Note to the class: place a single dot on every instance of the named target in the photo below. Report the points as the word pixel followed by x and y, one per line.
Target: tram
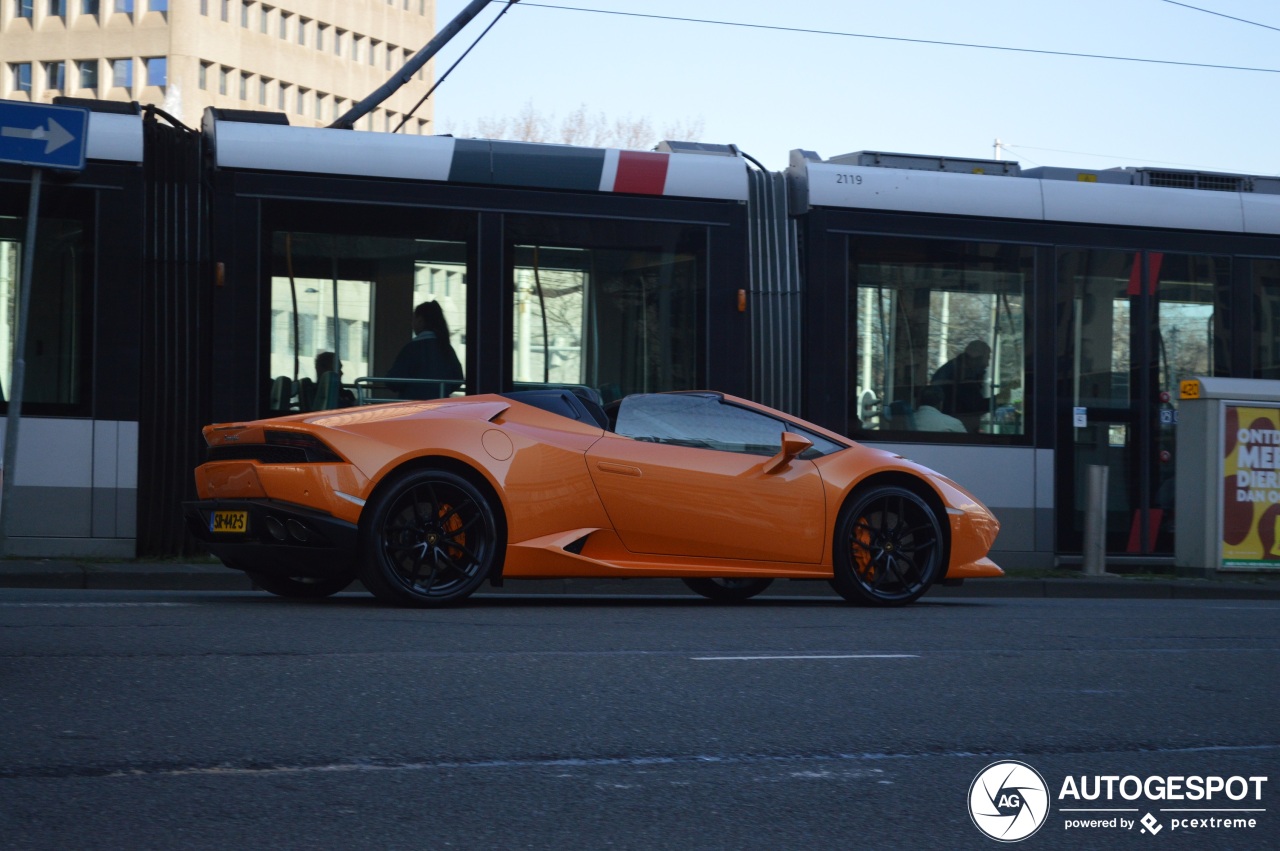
pixel 196 276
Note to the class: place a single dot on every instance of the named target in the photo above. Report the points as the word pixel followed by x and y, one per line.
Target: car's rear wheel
pixel 301 587
pixel 889 547
pixel 431 540
pixel 728 590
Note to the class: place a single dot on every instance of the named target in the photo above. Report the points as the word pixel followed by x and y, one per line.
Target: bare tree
pixel 579 127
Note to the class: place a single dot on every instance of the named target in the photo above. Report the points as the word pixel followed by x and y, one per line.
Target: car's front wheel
pixel 431 540
pixel 728 590
pixel 301 587
pixel 889 547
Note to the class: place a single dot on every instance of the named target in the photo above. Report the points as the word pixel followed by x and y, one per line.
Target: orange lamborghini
pixel 425 501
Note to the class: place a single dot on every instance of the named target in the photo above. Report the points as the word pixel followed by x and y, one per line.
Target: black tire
pixel 728 590
pixel 301 587
pixel 431 540
pixel 889 547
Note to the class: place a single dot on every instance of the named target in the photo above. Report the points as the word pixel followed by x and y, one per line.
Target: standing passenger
pixel 429 355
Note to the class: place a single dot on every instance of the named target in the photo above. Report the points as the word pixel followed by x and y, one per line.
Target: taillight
pixel 314 448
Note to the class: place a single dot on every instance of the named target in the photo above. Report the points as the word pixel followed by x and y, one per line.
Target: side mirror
pixel 792 445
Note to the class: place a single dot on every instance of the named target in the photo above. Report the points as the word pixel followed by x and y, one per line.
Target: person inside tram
pixel 429 355
pixel 928 415
pixel 963 383
pixel 329 392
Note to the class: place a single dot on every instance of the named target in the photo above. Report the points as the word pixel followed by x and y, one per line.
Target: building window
pixel 244 16
pixel 88 7
pixel 282 97
pixel 355 47
pixel 262 19
pixel 87 72
pixel 122 73
pixel 55 75
pixel 57 8
pixel 157 70
pixel 204 7
pixel 302 30
pixel 321 29
pixel 226 10
pixel 24 8
pixel 21 76
pixel 319 105
pixel 224 74
pixel 125 6
pixel 301 106
pixel 204 74
pixel 338 36
pixel 158 5
pixel 263 82
pixel 284 25
pixel 373 49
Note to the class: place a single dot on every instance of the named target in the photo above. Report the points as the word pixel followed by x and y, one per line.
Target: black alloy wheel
pixel 889 547
pixel 301 587
pixel 432 540
pixel 728 590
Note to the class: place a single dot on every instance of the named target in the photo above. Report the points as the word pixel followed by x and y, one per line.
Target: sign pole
pixel 18 379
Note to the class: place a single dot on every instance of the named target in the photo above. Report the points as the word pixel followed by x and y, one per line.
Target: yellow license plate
pixel 229 521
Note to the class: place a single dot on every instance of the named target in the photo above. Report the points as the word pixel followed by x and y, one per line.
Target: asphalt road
pixel 156 720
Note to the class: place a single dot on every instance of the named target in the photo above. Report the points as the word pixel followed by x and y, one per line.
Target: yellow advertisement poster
pixel 1251 488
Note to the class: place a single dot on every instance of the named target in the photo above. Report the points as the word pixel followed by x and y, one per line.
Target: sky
pixel 839 90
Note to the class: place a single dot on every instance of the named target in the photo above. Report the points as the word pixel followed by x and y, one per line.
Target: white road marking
pixel 92 605
pixel 772 658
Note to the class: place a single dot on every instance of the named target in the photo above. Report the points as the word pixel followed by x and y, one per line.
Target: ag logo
pixel 1008 800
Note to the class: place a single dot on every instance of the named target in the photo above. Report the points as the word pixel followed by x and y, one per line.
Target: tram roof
pixel 1138 197
pixel 319 150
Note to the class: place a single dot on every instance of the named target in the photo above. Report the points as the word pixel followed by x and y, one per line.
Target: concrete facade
pixel 311 59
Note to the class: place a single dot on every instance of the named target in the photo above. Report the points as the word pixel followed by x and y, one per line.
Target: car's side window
pixel 700 420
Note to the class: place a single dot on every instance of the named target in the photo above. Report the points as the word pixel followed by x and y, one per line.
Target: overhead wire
pixel 905 40
pixel 1221 15
pixel 405 119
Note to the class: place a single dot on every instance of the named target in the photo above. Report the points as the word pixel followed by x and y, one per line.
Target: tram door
pixel 1130 325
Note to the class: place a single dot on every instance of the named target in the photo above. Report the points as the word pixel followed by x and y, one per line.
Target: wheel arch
pixel 915 484
pixel 457 467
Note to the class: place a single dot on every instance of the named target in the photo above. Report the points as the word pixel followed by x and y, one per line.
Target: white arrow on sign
pixel 54 137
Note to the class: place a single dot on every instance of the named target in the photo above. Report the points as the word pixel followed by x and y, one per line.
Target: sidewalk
pixel 212 576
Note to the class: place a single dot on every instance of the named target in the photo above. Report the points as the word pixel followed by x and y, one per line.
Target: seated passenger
pixel 429 355
pixel 928 417
pixel 329 392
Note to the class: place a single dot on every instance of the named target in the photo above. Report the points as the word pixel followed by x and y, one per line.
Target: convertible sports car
pixel 424 501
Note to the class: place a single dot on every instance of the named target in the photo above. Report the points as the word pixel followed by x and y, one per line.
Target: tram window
pixel 54 373
pixel 615 320
pixel 1265 285
pixel 355 296
pixel 939 335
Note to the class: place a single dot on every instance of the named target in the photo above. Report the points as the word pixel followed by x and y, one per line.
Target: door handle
pixel 620 469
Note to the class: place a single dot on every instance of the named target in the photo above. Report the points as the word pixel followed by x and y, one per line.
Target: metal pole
pixel 1095 521
pixel 17 380
pixel 405 74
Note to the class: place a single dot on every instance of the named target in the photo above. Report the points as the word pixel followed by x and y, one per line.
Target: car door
pixel 687 475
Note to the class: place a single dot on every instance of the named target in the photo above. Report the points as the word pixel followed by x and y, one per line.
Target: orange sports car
pixel 425 501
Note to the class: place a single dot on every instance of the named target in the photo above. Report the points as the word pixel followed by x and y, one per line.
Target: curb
pixel 147 576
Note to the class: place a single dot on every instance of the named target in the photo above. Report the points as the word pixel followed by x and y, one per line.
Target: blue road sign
pixel 37 134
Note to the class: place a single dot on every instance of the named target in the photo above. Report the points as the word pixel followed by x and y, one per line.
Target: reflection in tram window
pixel 939 314
pixel 617 321
pixel 54 373
pixel 354 296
